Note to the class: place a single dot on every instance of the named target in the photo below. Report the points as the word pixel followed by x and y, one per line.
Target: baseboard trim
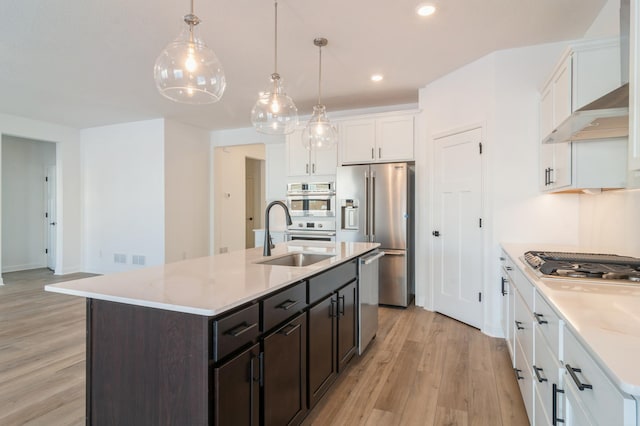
pixel 17 268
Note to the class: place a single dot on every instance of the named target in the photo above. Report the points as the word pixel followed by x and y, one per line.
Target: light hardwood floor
pixel 422 369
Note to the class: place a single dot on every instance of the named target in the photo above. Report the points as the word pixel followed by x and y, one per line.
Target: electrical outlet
pixel 138 259
pixel 119 258
pixel 224 249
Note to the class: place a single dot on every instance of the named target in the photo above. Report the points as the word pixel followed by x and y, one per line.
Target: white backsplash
pixel 610 222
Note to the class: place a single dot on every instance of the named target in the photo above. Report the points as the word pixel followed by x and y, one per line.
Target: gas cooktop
pixel 584 265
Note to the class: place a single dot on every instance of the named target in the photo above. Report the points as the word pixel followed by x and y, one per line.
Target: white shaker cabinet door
pixel 357 140
pixel 395 138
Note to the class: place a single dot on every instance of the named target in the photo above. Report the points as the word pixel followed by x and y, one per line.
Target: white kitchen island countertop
pixel 605 316
pixel 210 285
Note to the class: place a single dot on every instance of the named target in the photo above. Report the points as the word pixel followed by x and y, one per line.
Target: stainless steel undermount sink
pixel 297 259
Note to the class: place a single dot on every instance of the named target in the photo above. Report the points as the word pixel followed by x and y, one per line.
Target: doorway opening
pixel 254 198
pixel 29 225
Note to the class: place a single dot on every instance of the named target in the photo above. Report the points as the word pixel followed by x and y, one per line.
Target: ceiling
pixel 85 63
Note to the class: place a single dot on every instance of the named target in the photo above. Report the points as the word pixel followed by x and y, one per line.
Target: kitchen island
pixel 220 339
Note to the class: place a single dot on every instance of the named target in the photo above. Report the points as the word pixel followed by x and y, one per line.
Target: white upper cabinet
pixel 377 139
pixel 304 162
pixel 585 72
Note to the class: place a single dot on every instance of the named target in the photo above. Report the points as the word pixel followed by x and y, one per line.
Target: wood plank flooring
pixel 422 369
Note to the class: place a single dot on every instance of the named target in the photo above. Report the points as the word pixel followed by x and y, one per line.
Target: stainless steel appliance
pixel 376 204
pixel 592 266
pixel 314 199
pixel 312 230
pixel 368 299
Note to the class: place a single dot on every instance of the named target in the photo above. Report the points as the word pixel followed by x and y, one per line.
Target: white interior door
pixel 50 217
pixel 457 236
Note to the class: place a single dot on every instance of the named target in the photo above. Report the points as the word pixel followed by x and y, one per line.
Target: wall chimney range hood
pixel 608 116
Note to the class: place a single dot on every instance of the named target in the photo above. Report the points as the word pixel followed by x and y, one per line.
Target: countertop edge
pixel 302 273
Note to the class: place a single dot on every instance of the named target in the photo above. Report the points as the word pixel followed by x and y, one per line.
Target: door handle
pixel 52 224
pixel 436 233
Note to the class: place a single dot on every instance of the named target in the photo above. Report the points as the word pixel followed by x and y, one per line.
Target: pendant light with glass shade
pixel 275 113
pixel 187 70
pixel 319 133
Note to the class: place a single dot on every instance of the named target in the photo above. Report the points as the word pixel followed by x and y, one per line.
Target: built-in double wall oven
pixel 311 199
pixel 312 208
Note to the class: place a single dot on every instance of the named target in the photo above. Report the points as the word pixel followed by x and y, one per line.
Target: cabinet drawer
pixel 279 307
pixel 549 324
pixel 546 373
pixel 235 330
pixel 524 286
pixel 324 284
pixel 525 381
pixel 601 398
pixel 523 328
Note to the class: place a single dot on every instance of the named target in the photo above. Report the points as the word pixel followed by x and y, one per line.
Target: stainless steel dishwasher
pixel 368 305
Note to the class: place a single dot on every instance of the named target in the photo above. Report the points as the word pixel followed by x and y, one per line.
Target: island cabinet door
pixel 236 391
pixel 322 347
pixel 347 324
pixel 285 374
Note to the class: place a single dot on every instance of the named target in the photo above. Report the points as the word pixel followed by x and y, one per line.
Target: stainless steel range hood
pixel 608 116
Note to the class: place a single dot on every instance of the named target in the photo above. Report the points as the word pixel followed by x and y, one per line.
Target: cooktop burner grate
pixel 584 265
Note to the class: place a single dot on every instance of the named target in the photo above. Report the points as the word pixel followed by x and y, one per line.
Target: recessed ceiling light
pixel 425 9
pixel 377 77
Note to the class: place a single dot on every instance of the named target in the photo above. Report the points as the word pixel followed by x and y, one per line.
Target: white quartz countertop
pixel 604 316
pixel 210 285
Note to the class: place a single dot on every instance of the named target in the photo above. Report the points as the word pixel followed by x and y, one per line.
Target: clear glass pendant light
pixel 187 70
pixel 319 132
pixel 275 113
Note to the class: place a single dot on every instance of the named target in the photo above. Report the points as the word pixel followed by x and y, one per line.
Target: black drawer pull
pixel 332 308
pixel 508 268
pixel 537 370
pixel 519 325
pixel 287 304
pixel 538 318
pixel 504 291
pixel 241 329
pixel 572 372
pixel 518 371
pixel 291 329
pixel 554 404
pixel 341 306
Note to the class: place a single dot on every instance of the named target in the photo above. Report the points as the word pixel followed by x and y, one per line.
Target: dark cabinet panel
pixel 280 306
pixel 146 366
pixel 233 331
pixel 322 347
pixel 347 324
pixel 331 280
pixel 237 390
pixel 285 374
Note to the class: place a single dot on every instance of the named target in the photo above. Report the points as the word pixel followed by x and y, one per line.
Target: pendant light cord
pixel 319 73
pixel 275 52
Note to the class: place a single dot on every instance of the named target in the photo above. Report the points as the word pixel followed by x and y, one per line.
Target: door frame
pixel 486 224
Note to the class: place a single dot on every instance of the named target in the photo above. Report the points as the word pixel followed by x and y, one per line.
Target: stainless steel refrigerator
pixel 376 204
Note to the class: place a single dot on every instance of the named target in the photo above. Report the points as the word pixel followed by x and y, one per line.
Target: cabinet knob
pixel 436 233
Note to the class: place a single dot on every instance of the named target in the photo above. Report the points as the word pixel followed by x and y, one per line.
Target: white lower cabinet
pixel 605 404
pixel 525 380
pixel 560 382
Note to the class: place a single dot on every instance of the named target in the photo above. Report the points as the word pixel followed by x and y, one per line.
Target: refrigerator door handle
pixel 366 209
pixel 373 206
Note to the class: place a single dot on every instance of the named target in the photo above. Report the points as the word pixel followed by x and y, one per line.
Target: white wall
pixel 607 23
pixel 500 92
pixel 24 167
pixel 186 192
pixel 69 230
pixel 229 201
pixel 123 194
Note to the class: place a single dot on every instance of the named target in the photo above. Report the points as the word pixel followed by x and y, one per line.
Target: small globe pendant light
pixel 187 70
pixel 319 133
pixel 275 113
